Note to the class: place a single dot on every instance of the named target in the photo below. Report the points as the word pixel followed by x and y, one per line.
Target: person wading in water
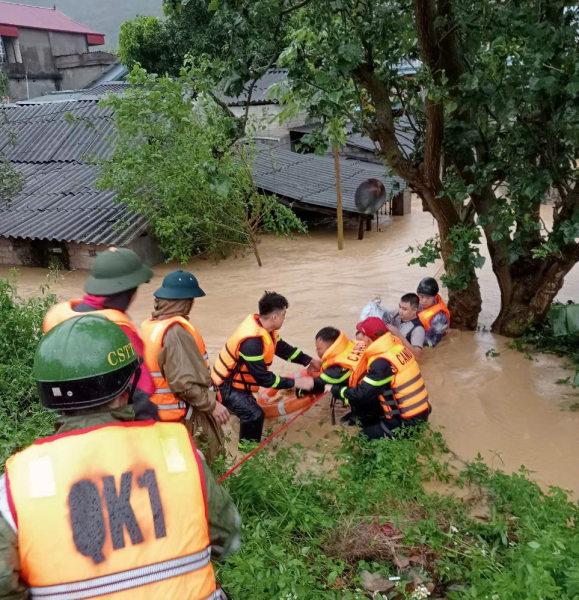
pixel 432 312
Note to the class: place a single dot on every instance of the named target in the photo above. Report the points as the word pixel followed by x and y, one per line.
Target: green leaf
pixel 450 105
pixel 573 87
pixel 213 5
pixel 534 545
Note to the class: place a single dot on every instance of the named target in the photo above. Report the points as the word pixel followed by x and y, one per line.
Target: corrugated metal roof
pixel 59 201
pixel 405 135
pixel 46 132
pixel 260 92
pixel 310 179
pixel 115 72
pixel 115 87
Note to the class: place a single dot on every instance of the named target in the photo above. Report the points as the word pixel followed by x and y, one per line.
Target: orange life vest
pixel 407 396
pixel 65 310
pixel 229 367
pixel 429 313
pixel 343 352
pixel 116 511
pixel 153 333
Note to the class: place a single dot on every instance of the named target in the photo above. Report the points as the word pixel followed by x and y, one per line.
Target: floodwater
pixel 508 408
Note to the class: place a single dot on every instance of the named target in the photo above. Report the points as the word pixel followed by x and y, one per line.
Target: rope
pixel 233 469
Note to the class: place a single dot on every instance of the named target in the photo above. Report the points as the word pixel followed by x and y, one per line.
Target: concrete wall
pixel 36 87
pixel 263 122
pixel 67 255
pixel 37 55
pixel 77 78
pixel 67 43
pixel 39 49
pixel 78 69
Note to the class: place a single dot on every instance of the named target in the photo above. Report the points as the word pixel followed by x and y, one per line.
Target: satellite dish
pixel 370 196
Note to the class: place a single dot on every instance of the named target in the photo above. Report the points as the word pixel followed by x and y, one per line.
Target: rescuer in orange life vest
pixel 386 391
pixel 242 367
pixel 108 507
pixel 177 358
pixel 340 357
pixel 112 284
pixel 432 312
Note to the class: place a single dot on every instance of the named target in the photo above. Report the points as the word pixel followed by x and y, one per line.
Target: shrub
pixel 23 419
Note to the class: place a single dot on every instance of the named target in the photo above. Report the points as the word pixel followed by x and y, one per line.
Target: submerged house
pixel 59 217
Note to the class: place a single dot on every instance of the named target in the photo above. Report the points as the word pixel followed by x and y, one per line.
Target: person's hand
pixel 304 383
pixel 394 330
pixel 328 388
pixel 377 299
pixel 220 414
pixel 315 366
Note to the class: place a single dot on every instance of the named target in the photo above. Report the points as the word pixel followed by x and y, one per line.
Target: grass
pixel 334 535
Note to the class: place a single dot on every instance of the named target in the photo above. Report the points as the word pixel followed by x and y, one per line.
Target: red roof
pixel 37 17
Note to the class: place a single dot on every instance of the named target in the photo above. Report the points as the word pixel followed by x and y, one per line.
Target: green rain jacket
pixel 224 520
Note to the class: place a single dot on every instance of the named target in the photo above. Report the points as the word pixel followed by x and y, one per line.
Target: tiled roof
pixel 37 17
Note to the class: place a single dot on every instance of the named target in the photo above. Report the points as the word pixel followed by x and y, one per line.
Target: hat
pixel 116 270
pixel 179 285
pixel 373 327
pixel 84 362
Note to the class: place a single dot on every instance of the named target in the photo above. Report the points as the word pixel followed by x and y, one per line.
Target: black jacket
pixel 251 355
pixel 364 398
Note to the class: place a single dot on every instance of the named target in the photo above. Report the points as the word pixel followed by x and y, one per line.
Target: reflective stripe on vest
pixel 65 310
pixel 228 366
pixel 133 578
pixel 124 504
pixel 153 333
pixel 407 395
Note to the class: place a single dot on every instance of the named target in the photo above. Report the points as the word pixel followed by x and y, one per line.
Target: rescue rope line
pixel 276 433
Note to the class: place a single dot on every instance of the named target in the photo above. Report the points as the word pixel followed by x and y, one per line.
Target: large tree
pixel 493 106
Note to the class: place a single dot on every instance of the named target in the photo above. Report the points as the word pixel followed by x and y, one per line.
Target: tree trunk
pixel 465 307
pixel 254 241
pixel 527 300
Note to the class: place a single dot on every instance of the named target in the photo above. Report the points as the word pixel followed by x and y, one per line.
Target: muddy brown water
pixel 508 408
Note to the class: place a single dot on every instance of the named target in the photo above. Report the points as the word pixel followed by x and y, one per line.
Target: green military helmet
pixel 116 270
pixel 179 285
pixel 84 362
